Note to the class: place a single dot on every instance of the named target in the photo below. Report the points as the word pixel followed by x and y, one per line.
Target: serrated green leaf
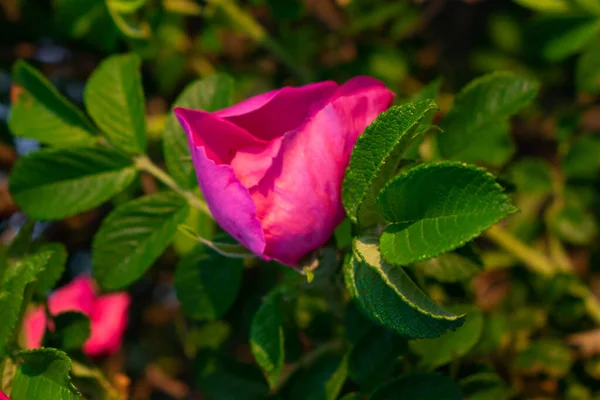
pixel 207 283
pixel 209 94
pixel 373 358
pixel 114 98
pixel 388 296
pixel 322 381
pixel 43 374
pixel 587 74
pixel 71 330
pixel 479 117
pixel 57 122
pixel 419 386
pixel 54 267
pixel 53 184
pixel 133 236
pixel 16 279
pixel 436 352
pixel 451 267
pixel 438 207
pixel 266 337
pixel 379 149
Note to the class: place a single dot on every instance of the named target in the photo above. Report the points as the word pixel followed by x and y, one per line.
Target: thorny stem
pixel 246 23
pixel 145 164
pixel 305 361
pixel 542 265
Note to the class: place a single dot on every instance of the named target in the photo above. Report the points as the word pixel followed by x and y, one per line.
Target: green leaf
pixel 126 6
pixel 87 21
pixel 551 357
pixel 564 35
pixel 373 358
pixel 114 98
pixel 266 337
pixel 378 152
pixel 133 236
pixel 199 222
pixel 16 279
pixel 232 380
pixel 582 161
pixel 54 267
pixel 587 74
pixel 207 284
pixel 546 6
pixel 71 330
pixel 57 122
pixel 388 296
pixel 485 386
pixel 419 386
pixel 322 381
pixel 479 117
pixel 53 184
pixel 452 267
pixel 532 175
pixel 209 94
pixel 436 352
pixel 438 207
pixel 573 223
pixel 128 25
pixel 43 374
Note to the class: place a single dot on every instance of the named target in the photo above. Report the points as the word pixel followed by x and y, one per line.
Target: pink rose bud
pixel 107 313
pixel 271 167
pixel 3 396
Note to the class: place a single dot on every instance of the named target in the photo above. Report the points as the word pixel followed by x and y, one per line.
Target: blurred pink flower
pixel 107 313
pixel 3 396
pixel 271 167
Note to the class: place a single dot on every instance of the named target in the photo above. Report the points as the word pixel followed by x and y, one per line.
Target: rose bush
pixel 107 313
pixel 271 167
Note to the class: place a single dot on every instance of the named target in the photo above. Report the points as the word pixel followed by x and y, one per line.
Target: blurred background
pixel 409 44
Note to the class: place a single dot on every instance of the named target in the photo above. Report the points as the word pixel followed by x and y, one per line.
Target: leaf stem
pixel 145 164
pixel 542 265
pixel 535 260
pixel 305 361
pixel 243 21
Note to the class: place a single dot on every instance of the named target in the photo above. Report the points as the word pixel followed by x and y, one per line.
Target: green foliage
pixel 378 152
pixel 43 374
pixel 419 386
pixel 323 381
pixel 57 122
pixel 434 277
pixel 55 267
pixel 133 236
pixel 14 285
pixel 436 208
pixel 476 128
pixel 374 356
pixel 266 337
pixel 210 94
pixel 115 100
pixel 69 180
pixel 388 296
pixel 436 352
pixel 207 284
pixel 71 330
